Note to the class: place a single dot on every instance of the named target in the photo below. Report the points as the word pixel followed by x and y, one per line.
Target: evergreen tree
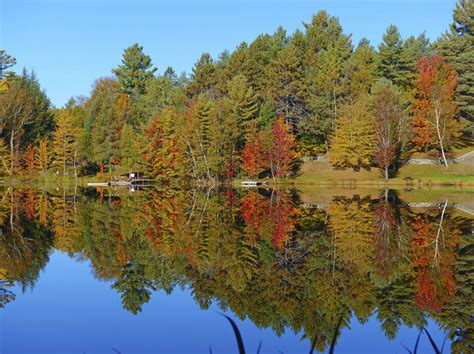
pixel 360 70
pixel 389 60
pixel 134 72
pixel 102 124
pixel 242 101
pixel 457 47
pixel 412 50
pixel 285 77
pixel 325 50
pixel 203 77
pixel 6 61
pixel 42 120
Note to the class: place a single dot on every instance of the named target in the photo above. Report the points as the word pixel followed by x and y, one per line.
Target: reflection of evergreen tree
pixel 134 287
pixel 396 305
pixel 6 295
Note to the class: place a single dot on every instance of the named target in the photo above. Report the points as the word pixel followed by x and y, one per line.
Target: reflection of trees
pixel 258 254
pixel 24 243
pixel 434 253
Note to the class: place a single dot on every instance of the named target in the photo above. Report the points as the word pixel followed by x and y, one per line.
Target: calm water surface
pixel 113 271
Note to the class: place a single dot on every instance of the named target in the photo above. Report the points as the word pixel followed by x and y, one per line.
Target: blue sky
pixel 70 43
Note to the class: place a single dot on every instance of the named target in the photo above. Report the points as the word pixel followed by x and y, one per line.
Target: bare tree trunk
pixel 12 148
pixel 75 158
pixel 386 171
pixel 440 231
pixel 438 131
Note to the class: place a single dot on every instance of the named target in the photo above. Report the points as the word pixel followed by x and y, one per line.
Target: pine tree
pixel 390 63
pixel 412 50
pixel 203 77
pixel 6 61
pixel 243 103
pixel 457 47
pixel 360 69
pixel 353 140
pixel 285 76
pixel 203 114
pixel 102 130
pixel 325 51
pixel 135 71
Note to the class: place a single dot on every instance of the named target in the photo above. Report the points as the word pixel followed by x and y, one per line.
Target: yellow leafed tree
pixel 352 144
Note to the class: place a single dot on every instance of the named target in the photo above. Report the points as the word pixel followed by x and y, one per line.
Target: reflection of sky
pixel 71 312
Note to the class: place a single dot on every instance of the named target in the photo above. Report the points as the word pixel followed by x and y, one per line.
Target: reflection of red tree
pixel 281 212
pixel 433 259
pixel 29 205
pixel 161 213
pixel 269 217
pixel 254 207
pixel 230 198
pixel 29 161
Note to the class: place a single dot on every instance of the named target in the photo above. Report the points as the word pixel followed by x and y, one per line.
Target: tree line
pixel 254 111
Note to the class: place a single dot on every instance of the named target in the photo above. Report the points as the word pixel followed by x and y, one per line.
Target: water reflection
pixel 261 253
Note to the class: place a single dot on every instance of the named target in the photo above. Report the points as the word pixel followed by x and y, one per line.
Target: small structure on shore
pixel 135 179
pixel 252 183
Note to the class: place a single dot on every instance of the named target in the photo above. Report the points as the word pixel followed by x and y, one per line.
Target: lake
pixel 298 271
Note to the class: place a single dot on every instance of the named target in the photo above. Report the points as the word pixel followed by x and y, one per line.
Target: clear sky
pixel 70 43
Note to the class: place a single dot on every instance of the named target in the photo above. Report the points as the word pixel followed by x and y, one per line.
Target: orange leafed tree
pixel 29 162
pixel 254 157
pixel 434 107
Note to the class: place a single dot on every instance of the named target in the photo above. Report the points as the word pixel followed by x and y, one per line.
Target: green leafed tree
pixel 6 61
pixel 389 60
pixel 285 84
pixel 203 77
pixel 457 48
pixel 134 72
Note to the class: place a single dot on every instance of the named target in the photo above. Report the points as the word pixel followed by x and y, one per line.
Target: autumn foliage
pixel 434 106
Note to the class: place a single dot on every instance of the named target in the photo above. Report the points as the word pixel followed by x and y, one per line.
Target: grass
pixel 332 346
pixel 321 172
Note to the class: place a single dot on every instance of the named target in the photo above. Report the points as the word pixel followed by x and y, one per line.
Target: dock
pixel 252 183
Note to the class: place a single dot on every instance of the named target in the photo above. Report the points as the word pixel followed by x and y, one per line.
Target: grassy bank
pixel 322 173
pixel 46 181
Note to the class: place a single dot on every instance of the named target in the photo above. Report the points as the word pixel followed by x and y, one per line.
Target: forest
pixel 261 253
pixel 255 112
